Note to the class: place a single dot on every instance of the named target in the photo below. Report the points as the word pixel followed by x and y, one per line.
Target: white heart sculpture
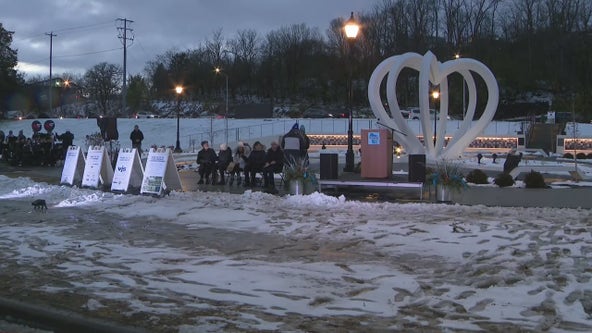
pixel 434 72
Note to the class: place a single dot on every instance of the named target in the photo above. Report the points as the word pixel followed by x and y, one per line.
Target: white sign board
pixel 73 166
pixel 161 173
pixel 98 168
pixel 128 172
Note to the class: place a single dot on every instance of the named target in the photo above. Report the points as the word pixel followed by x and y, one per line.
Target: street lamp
pixel 179 91
pixel 351 29
pixel 435 96
pixel 219 71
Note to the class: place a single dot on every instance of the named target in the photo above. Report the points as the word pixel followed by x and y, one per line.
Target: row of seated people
pixel 213 167
pixel 39 150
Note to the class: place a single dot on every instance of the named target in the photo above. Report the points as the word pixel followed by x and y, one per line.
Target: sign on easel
pixel 73 166
pixel 161 173
pixel 128 172
pixel 98 168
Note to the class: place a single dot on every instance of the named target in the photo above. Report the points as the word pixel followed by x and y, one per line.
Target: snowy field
pixel 210 262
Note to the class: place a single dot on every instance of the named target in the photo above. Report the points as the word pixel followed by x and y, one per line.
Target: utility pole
pixel 50 93
pixel 123 36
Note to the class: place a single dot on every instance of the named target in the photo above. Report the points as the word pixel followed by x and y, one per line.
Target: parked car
pixel 414 114
pixel 140 115
pixel 316 113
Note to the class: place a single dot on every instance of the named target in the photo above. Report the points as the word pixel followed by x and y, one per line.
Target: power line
pixel 84 26
pixel 63 30
pixel 87 53
pixel 74 55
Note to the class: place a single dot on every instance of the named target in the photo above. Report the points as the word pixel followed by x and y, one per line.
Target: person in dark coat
pixel 67 139
pixel 2 137
pixel 294 144
pixel 206 158
pixel 224 159
pixel 274 163
pixel 255 163
pixel 137 137
pixel 512 162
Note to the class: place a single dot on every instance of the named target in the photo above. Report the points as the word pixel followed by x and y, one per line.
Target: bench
pixel 338 183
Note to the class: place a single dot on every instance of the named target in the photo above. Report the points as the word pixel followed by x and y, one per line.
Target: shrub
pixel 589 156
pixel 504 180
pixel 534 180
pixel 477 177
pixel 568 155
pixel 581 156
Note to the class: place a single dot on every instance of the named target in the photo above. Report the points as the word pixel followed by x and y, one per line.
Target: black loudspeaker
pixel 108 128
pixel 329 168
pixel 417 168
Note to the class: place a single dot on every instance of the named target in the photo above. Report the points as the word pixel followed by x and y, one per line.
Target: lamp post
pixel 179 91
pixel 351 29
pixel 435 96
pixel 219 71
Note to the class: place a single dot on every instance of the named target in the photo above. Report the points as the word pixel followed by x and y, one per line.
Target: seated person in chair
pixel 206 158
pixel 240 161
pixel 224 159
pixel 274 163
pixel 255 163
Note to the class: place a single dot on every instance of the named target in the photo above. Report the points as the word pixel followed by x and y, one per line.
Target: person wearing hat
pixel 206 158
pixel 224 159
pixel 240 157
pixel 294 144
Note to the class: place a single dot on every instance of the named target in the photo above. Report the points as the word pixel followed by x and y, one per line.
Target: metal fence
pixel 274 128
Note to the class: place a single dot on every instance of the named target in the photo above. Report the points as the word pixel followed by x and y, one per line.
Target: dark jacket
pixel 256 159
pixel 277 156
pixel 207 156
pixel 224 158
pixel 66 138
pixel 301 148
pixel 137 136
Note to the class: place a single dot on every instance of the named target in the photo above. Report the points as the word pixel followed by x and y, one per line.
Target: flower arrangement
pixel 448 174
pixel 295 168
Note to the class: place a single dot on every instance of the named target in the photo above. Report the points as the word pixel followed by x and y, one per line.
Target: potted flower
pixel 296 174
pixel 447 177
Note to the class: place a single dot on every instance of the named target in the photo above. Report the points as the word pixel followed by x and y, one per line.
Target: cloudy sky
pixel 87 29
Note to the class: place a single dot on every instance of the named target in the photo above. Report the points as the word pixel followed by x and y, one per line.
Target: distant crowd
pixel 239 166
pixel 214 168
pixel 41 149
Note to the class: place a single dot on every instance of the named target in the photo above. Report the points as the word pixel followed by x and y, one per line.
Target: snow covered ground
pixel 208 262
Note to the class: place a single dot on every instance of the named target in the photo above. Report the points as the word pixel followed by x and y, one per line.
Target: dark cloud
pixel 87 29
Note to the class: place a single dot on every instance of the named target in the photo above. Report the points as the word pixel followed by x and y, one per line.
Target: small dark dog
pixel 39 204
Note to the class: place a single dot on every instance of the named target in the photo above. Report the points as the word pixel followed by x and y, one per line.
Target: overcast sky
pixel 87 29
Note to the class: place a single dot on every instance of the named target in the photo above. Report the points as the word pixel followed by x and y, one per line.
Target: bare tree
pixel 455 22
pixel 421 17
pixel 246 46
pixel 102 82
pixel 215 48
